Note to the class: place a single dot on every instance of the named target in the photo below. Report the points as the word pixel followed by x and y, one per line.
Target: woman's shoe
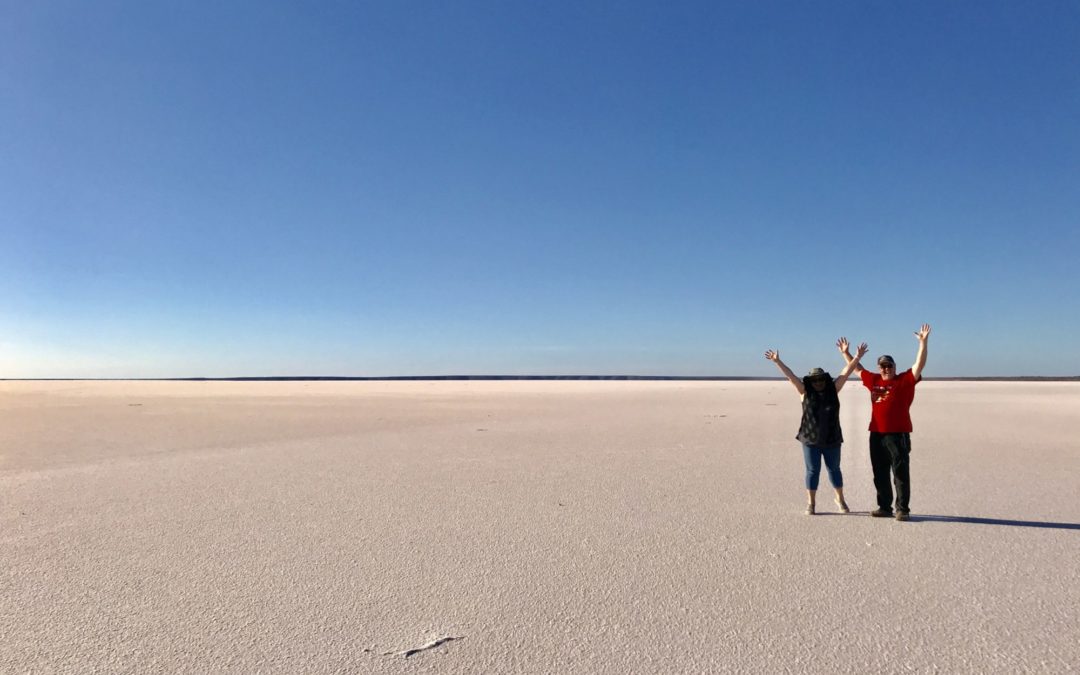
pixel 809 509
pixel 842 505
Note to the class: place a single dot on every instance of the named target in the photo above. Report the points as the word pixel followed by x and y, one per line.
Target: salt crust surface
pixel 551 527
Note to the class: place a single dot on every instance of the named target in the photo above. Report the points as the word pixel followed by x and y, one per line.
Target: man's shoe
pixel 881 513
pixel 903 515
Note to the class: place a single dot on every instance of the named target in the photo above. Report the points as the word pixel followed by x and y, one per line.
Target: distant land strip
pixel 409 378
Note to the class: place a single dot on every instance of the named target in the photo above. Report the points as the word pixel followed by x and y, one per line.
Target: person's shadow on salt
pixel 970 520
pixel 992 521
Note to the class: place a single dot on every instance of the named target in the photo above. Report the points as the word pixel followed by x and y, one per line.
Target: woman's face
pixel 818 383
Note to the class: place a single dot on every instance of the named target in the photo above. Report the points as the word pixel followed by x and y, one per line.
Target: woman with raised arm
pixel 819 431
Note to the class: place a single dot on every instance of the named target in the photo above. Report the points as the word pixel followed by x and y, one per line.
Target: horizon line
pixel 377 378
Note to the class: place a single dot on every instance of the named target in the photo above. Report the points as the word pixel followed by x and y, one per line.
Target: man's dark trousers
pixel 889 452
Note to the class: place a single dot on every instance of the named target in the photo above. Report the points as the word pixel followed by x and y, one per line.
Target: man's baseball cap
pixel 882 360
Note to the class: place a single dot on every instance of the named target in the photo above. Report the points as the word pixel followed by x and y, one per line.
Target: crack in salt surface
pixel 437 642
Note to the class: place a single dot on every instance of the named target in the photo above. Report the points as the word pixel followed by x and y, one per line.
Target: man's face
pixel 888 370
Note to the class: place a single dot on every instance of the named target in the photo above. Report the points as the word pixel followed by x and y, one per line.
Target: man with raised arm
pixel 891 396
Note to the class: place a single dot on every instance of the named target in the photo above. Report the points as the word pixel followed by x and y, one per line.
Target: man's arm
pixel 920 358
pixel 844 347
pixel 851 365
pixel 774 356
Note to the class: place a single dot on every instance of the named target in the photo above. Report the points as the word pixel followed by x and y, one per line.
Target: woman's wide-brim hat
pixel 817 372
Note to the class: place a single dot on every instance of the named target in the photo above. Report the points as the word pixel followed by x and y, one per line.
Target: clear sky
pixel 431 188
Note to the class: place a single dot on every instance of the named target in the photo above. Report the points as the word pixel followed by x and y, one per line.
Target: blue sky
pixel 409 188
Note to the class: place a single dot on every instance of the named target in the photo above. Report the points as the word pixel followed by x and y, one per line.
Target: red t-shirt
pixel 890 401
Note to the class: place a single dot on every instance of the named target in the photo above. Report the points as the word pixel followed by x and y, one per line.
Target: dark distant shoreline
pixel 421 378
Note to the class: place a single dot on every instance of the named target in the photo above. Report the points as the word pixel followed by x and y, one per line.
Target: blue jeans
pixel 813 456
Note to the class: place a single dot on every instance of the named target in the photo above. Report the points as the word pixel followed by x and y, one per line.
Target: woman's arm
pixel 852 365
pixel 842 345
pixel 774 356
